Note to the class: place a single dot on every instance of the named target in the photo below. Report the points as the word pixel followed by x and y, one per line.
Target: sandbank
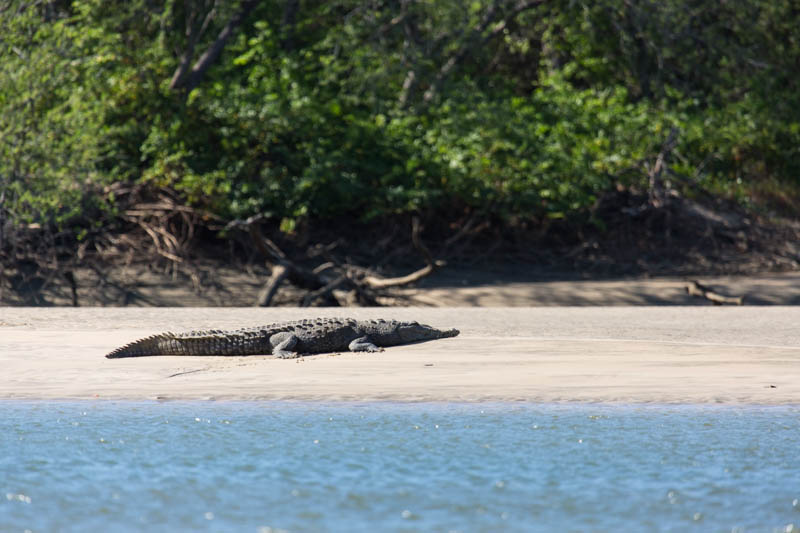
pixel 676 354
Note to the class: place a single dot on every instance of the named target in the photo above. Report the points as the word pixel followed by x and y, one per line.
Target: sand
pixel 554 354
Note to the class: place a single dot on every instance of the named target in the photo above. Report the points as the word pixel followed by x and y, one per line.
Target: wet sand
pixel 553 354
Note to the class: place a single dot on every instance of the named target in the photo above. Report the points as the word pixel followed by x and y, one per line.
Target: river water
pixel 283 466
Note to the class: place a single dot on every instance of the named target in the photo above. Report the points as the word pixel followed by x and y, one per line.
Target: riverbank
pixel 220 285
pixel 556 354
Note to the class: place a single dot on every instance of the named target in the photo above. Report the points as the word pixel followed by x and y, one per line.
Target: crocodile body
pixel 287 339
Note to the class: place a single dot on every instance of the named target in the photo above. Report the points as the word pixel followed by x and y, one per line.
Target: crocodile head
pixel 392 332
pixel 414 331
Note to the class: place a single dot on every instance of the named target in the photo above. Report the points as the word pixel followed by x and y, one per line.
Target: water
pixel 266 467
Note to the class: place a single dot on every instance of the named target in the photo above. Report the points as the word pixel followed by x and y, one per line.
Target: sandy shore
pixel 602 354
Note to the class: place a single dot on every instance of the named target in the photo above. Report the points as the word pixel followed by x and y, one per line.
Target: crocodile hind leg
pixel 282 344
pixel 364 344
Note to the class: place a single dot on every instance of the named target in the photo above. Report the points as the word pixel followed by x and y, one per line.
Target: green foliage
pixel 350 107
pixel 46 116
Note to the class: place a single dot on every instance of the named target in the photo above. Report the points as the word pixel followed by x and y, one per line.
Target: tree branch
pixel 193 35
pixel 374 282
pixel 189 80
pixel 476 37
pixel 695 288
pixel 288 22
pixel 279 273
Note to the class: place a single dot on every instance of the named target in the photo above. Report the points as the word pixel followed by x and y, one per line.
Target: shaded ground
pixel 485 289
pixel 633 249
pixel 500 287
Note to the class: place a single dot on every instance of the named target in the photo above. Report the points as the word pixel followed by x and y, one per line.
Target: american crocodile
pixel 287 340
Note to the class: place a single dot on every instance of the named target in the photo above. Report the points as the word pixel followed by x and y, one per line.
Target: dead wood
pixel 333 282
pixel 277 259
pixel 324 292
pixel 282 266
pixel 695 288
pixel 279 273
pixel 375 282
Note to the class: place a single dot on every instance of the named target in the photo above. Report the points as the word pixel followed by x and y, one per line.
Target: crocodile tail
pixel 152 345
pixel 213 342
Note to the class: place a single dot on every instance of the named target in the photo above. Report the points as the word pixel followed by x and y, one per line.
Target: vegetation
pixel 310 110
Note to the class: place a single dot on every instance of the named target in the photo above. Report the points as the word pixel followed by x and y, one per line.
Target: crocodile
pixel 287 340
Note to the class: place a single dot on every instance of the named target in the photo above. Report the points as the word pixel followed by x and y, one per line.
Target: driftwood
pixel 279 273
pixel 375 282
pixel 332 282
pixel 695 288
pixel 281 266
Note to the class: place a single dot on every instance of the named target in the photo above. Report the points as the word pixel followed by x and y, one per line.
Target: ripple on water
pixel 75 466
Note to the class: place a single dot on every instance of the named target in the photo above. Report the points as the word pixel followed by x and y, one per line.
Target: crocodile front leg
pixel 364 344
pixel 282 344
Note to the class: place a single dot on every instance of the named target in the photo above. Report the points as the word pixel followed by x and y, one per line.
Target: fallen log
pixel 695 288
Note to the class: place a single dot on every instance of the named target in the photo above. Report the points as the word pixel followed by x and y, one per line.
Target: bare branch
pixel 477 37
pixel 192 36
pixel 288 24
pixel 279 273
pixel 408 84
pixel 654 174
pixel 190 80
pixel 326 291
pixel 374 282
pixel 695 288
